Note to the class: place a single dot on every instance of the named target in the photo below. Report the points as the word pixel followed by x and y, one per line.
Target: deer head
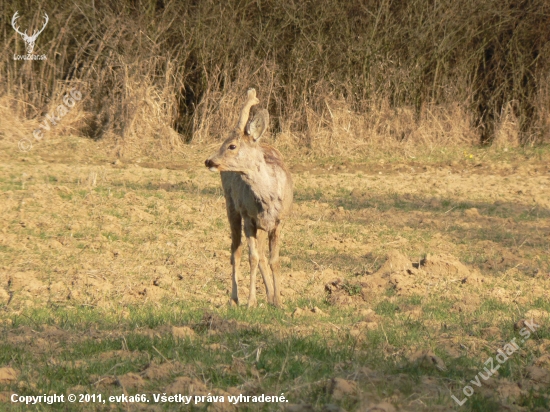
pixel 240 149
pixel 29 40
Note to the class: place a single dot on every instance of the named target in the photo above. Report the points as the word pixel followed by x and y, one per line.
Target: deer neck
pixel 260 177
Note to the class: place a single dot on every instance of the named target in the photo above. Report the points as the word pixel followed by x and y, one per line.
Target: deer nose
pixel 208 163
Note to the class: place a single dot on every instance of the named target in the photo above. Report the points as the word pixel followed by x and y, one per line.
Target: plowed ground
pixel 401 278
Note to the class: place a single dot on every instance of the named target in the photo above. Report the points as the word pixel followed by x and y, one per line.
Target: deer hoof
pixel 277 302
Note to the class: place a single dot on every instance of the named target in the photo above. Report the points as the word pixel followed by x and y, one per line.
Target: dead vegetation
pixel 337 77
pixel 411 255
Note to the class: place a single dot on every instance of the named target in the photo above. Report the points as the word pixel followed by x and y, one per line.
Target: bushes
pixel 327 70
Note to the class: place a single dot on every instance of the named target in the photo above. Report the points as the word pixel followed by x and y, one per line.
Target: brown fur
pixel 258 192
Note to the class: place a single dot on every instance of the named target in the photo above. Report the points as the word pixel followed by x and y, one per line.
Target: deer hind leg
pixel 275 264
pixel 254 257
pixel 261 236
pixel 236 251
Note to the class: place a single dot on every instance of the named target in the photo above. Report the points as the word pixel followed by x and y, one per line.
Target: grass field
pixel 401 277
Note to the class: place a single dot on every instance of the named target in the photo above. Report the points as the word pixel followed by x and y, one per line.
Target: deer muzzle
pixel 210 164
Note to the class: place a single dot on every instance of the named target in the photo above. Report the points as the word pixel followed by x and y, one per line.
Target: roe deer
pixel 258 190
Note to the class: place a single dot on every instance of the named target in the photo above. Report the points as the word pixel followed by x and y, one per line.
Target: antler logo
pixel 30 40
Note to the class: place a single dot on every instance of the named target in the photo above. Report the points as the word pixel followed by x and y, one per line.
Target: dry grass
pixel 114 278
pixel 335 77
pixel 411 254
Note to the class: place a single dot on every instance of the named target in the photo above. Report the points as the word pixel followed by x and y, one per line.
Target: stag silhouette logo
pixel 29 40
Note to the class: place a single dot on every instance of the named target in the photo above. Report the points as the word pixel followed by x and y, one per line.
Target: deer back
pixel 255 180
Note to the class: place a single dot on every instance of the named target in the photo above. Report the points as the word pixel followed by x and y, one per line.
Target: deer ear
pixel 257 124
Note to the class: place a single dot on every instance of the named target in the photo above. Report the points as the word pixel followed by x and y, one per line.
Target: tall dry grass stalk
pixel 334 75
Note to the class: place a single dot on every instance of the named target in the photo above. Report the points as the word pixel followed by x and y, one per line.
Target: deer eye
pixel 232 147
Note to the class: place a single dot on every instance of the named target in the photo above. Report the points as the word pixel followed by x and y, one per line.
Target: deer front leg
pixel 250 231
pixel 236 251
pixel 261 236
pixel 275 264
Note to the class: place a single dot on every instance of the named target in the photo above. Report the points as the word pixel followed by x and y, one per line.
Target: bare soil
pixel 78 227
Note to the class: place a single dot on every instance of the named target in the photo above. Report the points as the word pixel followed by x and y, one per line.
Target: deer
pixel 258 192
pixel 29 40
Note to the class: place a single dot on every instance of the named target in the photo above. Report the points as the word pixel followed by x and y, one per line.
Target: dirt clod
pixel 472 212
pixel 329 407
pixel 395 262
pixel 297 313
pixel 427 359
pixel 213 322
pixel 156 372
pixel 382 407
pixel 340 388
pixel 8 375
pixel 444 265
pixel 4 296
pixel 537 315
pixel 185 384
pixel 131 381
pixel 5 397
pixel 538 374
pixel 182 332
pixel 508 391
pixel 299 408
pixel 318 311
